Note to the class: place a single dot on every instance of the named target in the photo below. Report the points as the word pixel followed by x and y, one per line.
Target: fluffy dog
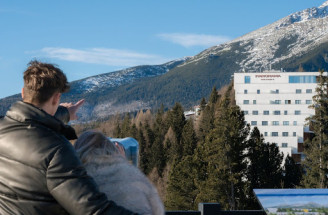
pixel 122 182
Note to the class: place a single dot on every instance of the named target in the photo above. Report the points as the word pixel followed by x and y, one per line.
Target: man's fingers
pixel 79 103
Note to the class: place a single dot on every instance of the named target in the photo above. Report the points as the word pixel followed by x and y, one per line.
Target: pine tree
pixel 188 139
pixel 181 191
pixel 263 168
pixel 143 151
pixel 224 152
pixel 176 120
pixel 202 104
pixel 316 149
pixel 159 154
pixel 205 123
pixel 126 125
pixel 213 96
pixel 292 173
pixel 171 146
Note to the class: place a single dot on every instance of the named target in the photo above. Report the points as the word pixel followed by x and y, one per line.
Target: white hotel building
pixel 278 104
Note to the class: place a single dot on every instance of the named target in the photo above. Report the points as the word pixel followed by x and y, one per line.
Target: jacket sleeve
pixel 73 189
pixel 62 114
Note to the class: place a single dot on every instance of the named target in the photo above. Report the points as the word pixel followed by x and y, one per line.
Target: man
pixel 40 172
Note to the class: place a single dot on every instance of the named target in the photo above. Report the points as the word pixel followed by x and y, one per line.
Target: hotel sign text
pixel 267 77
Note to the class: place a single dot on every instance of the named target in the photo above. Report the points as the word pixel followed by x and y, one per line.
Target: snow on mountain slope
pixel 115 79
pixel 288 37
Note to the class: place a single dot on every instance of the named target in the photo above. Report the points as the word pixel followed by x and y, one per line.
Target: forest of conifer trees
pixel 216 157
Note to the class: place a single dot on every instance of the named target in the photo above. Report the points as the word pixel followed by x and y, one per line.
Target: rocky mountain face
pixel 298 42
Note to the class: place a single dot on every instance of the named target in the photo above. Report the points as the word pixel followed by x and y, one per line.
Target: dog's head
pixel 91 144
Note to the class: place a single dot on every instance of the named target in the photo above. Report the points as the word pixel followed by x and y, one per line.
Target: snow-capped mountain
pixel 289 37
pixel 298 42
pixel 125 76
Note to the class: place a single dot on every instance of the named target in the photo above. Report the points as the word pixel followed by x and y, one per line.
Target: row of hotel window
pixel 265 123
pixel 287 102
pixel 292 79
pixel 276 112
pixel 297 91
pixel 276 134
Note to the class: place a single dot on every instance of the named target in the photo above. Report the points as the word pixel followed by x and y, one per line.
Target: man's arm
pixel 74 190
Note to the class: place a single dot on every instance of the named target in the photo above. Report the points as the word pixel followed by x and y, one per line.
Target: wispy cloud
pixel 112 57
pixel 189 40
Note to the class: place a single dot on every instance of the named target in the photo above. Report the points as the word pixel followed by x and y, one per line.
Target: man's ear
pixel 56 98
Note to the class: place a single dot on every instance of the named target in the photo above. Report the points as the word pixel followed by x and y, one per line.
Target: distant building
pixel 278 104
pixel 192 113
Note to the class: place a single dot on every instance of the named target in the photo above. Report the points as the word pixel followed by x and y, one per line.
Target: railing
pixel 214 209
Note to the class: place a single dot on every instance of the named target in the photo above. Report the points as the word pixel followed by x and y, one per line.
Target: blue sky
pixel 86 38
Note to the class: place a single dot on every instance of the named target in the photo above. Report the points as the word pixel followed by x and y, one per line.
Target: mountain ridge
pixel 297 42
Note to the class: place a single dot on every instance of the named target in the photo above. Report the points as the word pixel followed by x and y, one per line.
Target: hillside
pixel 296 42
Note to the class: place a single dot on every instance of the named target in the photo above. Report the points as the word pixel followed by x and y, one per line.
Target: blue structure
pixel 131 147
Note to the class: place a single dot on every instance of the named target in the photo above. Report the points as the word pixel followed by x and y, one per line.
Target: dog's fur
pixel 122 182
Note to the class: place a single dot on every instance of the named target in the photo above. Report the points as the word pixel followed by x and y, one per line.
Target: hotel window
pixel 274 134
pixel 294 134
pixel 265 134
pixel 245 91
pixel 297 112
pixel 266 112
pixel 302 79
pixel 255 112
pixel 254 102
pixel 308 90
pixel 253 123
pixel 258 91
pixel 264 122
pixel 298 91
pixel 284 145
pixel 246 102
pixel 285 123
pixel 285 112
pixel 245 112
pixel 247 79
pixel 276 112
pixel 275 122
pixel 285 134
pixel 288 102
pixel 308 102
pixel 277 101
pixel 297 102
pixel 294 122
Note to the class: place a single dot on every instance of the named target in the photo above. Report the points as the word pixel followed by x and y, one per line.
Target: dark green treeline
pixel 217 157
pixel 213 158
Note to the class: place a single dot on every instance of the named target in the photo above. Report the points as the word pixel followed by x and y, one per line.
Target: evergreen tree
pixel 224 152
pixel 181 191
pixel 126 125
pixel 206 122
pixel 292 173
pixel 213 96
pixel 159 155
pixel 170 145
pixel 188 139
pixel 176 120
pixel 150 138
pixel 202 104
pixel 143 151
pixel 316 149
pixel 264 167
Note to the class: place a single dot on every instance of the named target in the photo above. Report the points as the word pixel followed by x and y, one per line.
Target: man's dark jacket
pixel 40 172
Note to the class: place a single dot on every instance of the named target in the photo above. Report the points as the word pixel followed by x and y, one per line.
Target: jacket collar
pixel 27 113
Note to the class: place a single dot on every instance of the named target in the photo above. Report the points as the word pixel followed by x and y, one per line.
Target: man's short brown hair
pixel 43 80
